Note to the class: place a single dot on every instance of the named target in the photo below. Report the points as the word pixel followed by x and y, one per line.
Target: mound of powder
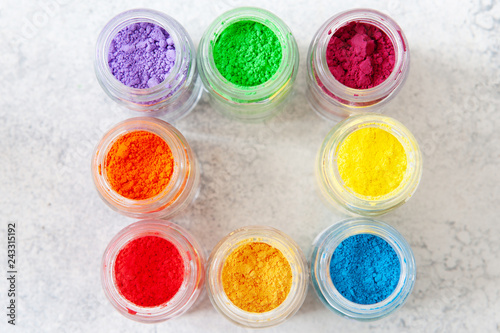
pixel 141 55
pixel 247 53
pixel 372 161
pixel 139 165
pixel 360 55
pixel 365 269
pixel 149 271
pixel 257 277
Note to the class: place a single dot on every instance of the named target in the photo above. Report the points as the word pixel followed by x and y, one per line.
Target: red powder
pixel 360 55
pixel 149 271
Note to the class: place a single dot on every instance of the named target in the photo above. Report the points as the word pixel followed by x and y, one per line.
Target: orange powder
pixel 139 165
pixel 256 277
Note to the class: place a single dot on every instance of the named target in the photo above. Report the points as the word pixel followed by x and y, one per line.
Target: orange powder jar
pixel 144 168
pixel 257 277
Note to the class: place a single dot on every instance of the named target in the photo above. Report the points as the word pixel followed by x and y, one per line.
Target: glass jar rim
pixel 356 203
pixel 119 22
pixel 276 239
pixel 323 248
pixel 211 76
pixel 189 249
pixel 347 95
pixel 182 157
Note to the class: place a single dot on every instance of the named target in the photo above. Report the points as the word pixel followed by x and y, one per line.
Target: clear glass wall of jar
pixel 335 101
pixel 333 188
pixel 193 258
pixel 177 94
pixel 251 103
pixel 180 191
pixel 290 251
pixel 322 251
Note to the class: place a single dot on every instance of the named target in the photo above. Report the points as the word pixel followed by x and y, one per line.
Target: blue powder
pixel 365 269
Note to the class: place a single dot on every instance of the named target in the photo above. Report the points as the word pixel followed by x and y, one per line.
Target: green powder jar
pixel 248 61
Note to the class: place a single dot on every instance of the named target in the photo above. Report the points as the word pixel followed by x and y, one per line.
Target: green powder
pixel 247 53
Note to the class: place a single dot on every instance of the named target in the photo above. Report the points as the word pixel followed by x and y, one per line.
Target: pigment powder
pixel 149 271
pixel 247 53
pixel 139 165
pixel 256 277
pixel 141 55
pixel 371 161
pixel 360 55
pixel 365 269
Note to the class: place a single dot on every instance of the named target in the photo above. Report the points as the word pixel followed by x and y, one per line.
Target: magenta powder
pixel 141 55
pixel 360 55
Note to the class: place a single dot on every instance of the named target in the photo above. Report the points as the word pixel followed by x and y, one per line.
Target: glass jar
pixel 322 250
pixel 250 103
pixel 180 191
pixel 177 94
pixel 335 101
pixel 194 271
pixel 333 187
pixel 290 251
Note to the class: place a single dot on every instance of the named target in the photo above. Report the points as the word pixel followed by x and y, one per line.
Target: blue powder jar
pixel 362 268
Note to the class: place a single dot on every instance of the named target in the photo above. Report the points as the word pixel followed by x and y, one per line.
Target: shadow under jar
pixel 181 87
pixel 333 100
pixel 249 102
pixel 275 242
pixel 191 271
pixel 323 249
pixel 333 187
pixel 183 182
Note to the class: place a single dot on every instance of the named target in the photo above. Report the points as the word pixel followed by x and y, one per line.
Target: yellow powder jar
pixel 333 153
pixel 268 246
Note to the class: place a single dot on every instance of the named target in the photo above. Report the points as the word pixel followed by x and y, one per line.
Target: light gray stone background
pixel 53 112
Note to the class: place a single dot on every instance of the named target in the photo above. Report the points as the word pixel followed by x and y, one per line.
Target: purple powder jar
pixel 146 61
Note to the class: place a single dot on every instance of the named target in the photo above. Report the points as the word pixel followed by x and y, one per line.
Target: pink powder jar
pixel 361 68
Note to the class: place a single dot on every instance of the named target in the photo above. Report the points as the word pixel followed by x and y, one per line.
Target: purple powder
pixel 141 55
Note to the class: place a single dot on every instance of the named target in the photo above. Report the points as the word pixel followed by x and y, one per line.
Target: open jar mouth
pixel 334 188
pixel 351 99
pixel 194 271
pixel 269 90
pixel 183 181
pixel 290 251
pixel 322 251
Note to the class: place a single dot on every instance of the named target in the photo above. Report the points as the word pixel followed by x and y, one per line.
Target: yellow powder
pixel 256 277
pixel 371 161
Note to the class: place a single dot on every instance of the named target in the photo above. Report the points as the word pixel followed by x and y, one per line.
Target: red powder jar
pixel 366 44
pixel 156 263
pixel 181 188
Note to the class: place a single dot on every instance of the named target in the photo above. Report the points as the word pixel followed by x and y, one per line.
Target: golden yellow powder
pixel 256 277
pixel 371 161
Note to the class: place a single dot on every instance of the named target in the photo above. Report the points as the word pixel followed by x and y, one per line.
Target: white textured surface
pixel 53 112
